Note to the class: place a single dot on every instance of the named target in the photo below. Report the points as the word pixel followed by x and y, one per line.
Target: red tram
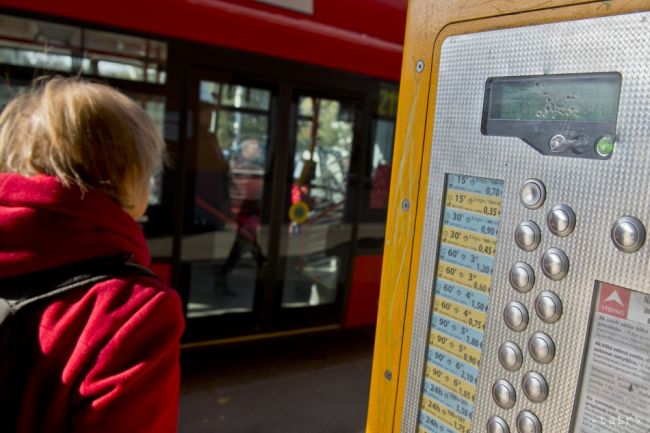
pixel 279 117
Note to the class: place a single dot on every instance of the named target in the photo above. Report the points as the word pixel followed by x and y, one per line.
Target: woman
pixel 75 163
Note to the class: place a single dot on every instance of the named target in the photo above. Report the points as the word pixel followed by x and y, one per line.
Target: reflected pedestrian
pixel 248 180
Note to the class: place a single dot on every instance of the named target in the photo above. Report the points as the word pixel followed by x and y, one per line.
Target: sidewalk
pixel 306 384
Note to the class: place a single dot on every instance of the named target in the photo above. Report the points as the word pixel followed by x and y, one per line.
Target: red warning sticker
pixel 614 301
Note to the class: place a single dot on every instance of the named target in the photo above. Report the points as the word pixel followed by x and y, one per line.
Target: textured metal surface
pixel 599 192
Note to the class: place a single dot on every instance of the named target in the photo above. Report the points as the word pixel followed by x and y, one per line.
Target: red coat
pixel 105 359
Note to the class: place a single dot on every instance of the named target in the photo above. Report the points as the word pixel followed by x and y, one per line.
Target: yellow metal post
pixel 429 22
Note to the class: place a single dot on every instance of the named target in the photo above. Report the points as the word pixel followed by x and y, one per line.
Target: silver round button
pixel 561 220
pixel 510 356
pixel 541 348
pixel 555 264
pixel 497 425
pixel 535 387
pixel 548 307
pixel 628 234
pixel 522 277
pixel 533 193
pixel 528 236
pixel 527 422
pixel 504 394
pixel 516 316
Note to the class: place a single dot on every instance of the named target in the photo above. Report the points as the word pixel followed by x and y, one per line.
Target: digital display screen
pixel 615 393
pixel 470 224
pixel 576 97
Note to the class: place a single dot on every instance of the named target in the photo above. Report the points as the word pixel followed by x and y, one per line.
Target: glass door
pixel 226 234
pixel 316 239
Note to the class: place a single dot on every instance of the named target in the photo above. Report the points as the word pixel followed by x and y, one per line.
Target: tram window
pixel 227 242
pixel 125 57
pixel 8 92
pixel 154 105
pixel 244 97
pixel 63 48
pixel 316 246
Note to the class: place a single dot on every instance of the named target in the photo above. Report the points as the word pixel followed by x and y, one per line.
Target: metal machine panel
pixel 597 192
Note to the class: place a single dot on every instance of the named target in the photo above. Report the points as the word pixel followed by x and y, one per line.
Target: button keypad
pixel 522 277
pixel 561 220
pixel 548 307
pixel 528 236
pixel 628 234
pixel 535 387
pixel 555 264
pixel 504 394
pixel 527 422
pixel 510 356
pixel 516 316
pixel 497 425
pixel 541 348
pixel 533 194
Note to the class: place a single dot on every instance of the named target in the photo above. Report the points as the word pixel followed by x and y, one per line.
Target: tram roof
pixel 362 36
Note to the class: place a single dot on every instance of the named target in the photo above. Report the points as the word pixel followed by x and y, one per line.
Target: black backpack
pixel 20 299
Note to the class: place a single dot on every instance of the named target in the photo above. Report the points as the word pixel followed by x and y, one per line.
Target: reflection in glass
pixel 154 105
pixel 316 242
pixel 8 92
pixel 382 155
pixel 59 47
pixel 226 241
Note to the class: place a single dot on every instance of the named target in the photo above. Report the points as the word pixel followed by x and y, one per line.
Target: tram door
pixel 226 227
pixel 266 229
pixel 317 230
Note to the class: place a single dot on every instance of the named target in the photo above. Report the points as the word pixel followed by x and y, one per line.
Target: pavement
pixel 302 384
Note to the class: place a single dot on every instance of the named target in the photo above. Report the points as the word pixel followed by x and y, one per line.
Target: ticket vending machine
pixel 516 285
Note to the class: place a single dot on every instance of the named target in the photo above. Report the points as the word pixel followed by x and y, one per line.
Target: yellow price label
pixel 468 316
pixel 468 240
pixel 456 348
pixel 483 204
pixel 451 382
pixel 446 415
pixel 464 277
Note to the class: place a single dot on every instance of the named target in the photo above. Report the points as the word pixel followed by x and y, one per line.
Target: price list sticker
pixel 470 224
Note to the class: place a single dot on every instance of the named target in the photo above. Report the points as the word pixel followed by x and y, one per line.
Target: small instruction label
pixel 615 393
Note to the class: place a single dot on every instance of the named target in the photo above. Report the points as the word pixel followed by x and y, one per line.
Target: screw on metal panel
pixel 419 66
pixel 388 375
pixel 406 205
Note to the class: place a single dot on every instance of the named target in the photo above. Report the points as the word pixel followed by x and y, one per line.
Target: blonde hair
pixel 86 134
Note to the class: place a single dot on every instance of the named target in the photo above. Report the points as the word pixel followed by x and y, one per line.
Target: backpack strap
pixel 22 291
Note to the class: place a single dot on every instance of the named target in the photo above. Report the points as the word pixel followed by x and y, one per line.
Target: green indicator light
pixel 605 146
